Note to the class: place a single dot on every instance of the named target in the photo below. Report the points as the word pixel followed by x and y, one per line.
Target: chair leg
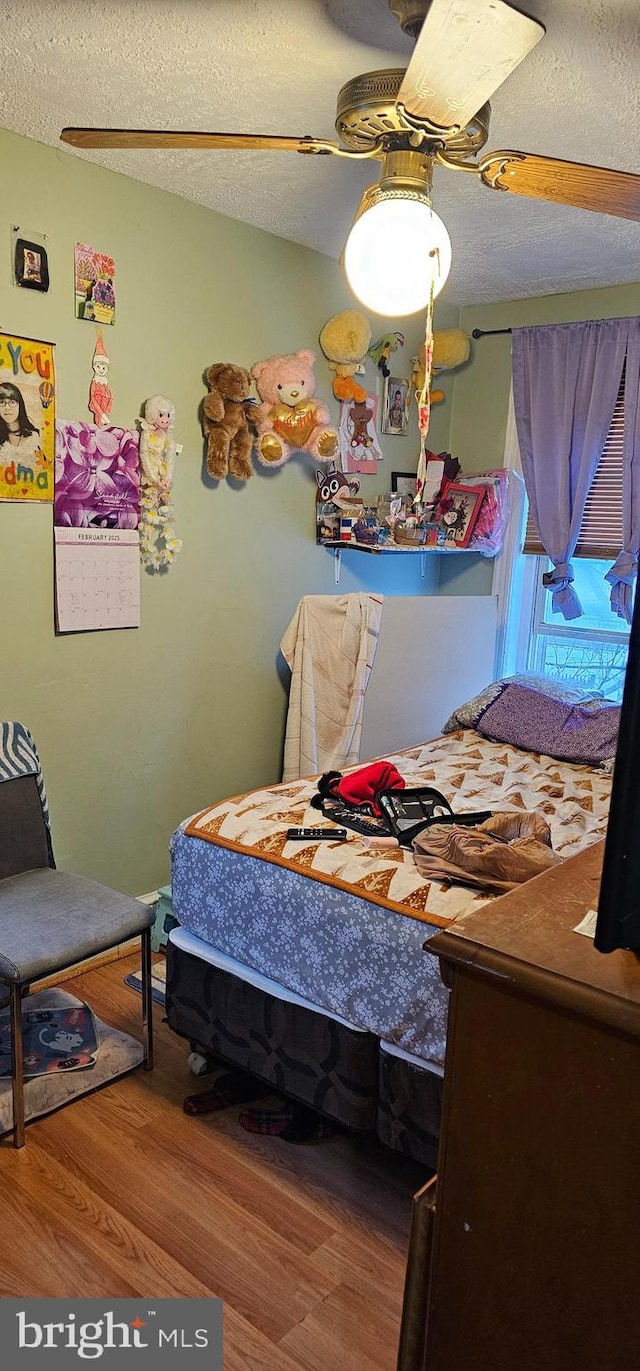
pixel 147 999
pixel 17 1069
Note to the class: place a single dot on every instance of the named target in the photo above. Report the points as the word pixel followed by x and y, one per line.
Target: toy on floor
pixel 100 394
pixel 344 340
pixel 290 418
pixel 227 421
pixel 159 545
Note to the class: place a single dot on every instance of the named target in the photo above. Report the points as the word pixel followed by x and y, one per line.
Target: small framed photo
pixel 395 405
pixel 457 512
pixel 30 265
pixel 404 482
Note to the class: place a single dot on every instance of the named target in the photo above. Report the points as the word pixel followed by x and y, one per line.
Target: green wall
pixel 138 729
pixel 481 392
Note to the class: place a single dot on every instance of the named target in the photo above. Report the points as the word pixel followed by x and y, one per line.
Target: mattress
pixel 345 928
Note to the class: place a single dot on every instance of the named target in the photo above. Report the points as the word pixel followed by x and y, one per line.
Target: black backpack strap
pixel 470 820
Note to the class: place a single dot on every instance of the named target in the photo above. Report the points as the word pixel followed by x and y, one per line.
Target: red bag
pixel 364 786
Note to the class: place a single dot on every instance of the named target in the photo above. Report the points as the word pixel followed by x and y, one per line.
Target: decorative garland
pixel 424 400
pixel 159 545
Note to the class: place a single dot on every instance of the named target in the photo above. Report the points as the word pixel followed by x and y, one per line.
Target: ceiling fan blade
pixel 465 50
pixel 566 183
pixel 170 138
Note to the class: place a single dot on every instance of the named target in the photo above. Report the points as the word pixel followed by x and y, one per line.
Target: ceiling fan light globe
pixel 395 250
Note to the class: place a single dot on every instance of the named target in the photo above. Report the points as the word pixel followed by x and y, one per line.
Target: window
pixel 591 652
pixel 601 528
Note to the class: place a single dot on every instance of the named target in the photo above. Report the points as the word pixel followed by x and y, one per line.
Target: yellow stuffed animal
pixel 344 341
pixel 450 350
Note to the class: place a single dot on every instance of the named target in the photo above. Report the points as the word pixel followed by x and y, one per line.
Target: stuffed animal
pixel 450 350
pixel 159 545
pixel 289 419
pixel 226 422
pixel 381 351
pixel 344 340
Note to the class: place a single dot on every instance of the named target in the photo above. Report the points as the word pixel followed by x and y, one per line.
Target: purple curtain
pixel 566 379
pixel 623 572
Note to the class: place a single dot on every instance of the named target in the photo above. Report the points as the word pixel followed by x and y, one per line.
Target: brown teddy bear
pixel 225 422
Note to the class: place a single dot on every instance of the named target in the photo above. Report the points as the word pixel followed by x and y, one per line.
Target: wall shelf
pixel 393 550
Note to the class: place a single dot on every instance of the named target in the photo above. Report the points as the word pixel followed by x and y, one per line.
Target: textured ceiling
pixel 275 66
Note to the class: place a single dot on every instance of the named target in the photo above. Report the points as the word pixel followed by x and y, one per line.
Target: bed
pixel 304 963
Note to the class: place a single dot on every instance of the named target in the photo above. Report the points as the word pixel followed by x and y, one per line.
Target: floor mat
pixel 158 981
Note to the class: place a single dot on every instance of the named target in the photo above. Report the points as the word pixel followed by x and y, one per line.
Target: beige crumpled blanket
pixel 329 647
pixel 496 855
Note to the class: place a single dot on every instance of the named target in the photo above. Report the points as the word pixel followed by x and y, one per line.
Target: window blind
pixel 601 529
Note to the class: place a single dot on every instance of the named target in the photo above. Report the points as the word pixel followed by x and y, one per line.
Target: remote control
pixel 296 834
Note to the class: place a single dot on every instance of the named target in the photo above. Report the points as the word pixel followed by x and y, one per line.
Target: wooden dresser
pixel 528 1245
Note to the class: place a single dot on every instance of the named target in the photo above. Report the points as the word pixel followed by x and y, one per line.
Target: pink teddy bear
pixel 289 419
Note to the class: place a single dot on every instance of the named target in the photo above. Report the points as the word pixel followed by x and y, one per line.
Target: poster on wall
pixel 358 437
pixel 95 285
pixel 27 419
pixel 96 516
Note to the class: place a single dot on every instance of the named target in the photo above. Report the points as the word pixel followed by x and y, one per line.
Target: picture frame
pixel 404 483
pixel 30 265
pixel 458 511
pixel 396 396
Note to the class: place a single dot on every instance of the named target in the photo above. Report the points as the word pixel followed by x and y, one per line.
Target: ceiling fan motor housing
pixel 367 112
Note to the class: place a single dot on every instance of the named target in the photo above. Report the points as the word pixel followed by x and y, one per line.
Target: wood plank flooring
pixel 122 1194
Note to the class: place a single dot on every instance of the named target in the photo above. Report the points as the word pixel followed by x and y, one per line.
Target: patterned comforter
pixel 473 773
pixel 346 928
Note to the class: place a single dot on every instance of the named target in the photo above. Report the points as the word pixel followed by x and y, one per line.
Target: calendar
pixel 97 579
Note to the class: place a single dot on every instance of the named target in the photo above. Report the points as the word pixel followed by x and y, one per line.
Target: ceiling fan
pixel 435 112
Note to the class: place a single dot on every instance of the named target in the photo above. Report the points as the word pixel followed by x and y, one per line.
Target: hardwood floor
pixel 121 1193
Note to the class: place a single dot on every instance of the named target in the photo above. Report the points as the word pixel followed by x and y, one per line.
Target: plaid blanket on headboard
pixel 19 757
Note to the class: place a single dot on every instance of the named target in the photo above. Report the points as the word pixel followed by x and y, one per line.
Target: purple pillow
pixel 537 723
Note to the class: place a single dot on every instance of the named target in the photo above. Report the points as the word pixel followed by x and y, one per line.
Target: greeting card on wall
pixel 359 446
pixel 95 284
pixel 27 419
